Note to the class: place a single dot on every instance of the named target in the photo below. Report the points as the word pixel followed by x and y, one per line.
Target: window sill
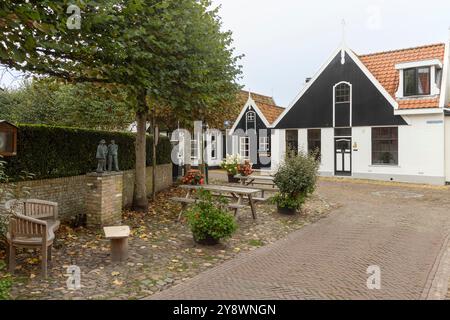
pixel 417 97
pixel 384 166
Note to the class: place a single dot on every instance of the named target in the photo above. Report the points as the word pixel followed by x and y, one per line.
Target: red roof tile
pixel 382 66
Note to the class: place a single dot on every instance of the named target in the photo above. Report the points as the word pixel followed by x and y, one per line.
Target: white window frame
pixel 244 147
pixel 249 119
pixel 194 149
pixel 264 144
pixel 334 102
pixel 214 147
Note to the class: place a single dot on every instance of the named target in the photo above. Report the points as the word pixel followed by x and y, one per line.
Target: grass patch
pixel 256 243
pixel 5 282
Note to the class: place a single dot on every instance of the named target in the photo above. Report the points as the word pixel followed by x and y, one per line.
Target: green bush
pixel 208 219
pixel 53 152
pixel 296 179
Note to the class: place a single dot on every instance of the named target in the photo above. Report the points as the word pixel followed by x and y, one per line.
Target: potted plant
pixel 209 221
pixel 245 169
pixel 296 179
pixel 230 165
pixel 193 177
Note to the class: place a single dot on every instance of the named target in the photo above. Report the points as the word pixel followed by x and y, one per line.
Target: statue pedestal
pixel 104 199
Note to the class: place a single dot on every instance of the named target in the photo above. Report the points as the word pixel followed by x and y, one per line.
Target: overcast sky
pixel 285 41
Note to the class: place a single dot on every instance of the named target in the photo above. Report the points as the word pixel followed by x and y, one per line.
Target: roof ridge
pixel 400 50
pixel 256 93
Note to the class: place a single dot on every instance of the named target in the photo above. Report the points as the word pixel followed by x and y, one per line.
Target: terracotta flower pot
pixel 232 179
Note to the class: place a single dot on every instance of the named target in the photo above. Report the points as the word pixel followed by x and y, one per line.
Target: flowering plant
pixel 245 169
pixel 231 163
pixel 193 177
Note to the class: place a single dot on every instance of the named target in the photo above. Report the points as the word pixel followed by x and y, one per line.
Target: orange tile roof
pixel 258 98
pixel 382 66
pixel 266 104
pixel 418 103
pixel 271 112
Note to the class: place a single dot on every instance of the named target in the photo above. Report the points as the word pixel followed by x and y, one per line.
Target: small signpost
pixel 8 139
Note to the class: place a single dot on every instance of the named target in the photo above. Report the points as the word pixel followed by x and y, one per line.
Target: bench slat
pixel 185 200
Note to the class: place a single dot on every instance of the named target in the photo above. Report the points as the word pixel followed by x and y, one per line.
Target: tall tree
pixel 52 102
pixel 167 52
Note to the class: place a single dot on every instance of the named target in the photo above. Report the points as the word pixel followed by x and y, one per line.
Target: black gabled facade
pixel 314 109
pixel 259 125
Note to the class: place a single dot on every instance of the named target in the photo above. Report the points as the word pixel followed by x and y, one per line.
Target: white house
pixel 382 116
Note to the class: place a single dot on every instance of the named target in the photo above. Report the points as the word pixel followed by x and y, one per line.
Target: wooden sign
pixel 8 139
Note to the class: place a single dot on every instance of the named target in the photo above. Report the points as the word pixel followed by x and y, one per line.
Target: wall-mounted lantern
pixel 8 139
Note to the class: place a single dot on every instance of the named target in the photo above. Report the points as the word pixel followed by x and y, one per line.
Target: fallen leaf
pixel 115 273
pixel 117 282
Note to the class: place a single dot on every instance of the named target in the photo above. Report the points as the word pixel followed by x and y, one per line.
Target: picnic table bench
pixel 237 193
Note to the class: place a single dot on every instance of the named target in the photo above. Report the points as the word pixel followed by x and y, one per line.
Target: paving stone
pixel 157 241
pixel 329 259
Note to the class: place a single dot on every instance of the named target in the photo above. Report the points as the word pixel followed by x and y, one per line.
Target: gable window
pixel 342 112
pixel 417 81
pixel 385 146
pixel 314 142
pixel 251 120
pixel 342 93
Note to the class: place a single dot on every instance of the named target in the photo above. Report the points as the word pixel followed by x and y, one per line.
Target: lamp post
pixel 204 165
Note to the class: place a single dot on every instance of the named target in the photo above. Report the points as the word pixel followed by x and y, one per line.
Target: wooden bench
pixel 31 225
pixel 37 209
pixel 118 237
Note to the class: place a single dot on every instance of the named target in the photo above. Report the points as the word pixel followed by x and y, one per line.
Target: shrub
pixel 53 152
pixel 5 282
pixel 231 163
pixel 296 179
pixel 194 177
pixel 208 220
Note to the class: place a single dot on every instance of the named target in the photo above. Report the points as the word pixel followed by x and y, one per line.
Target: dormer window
pixel 419 78
pixel 417 81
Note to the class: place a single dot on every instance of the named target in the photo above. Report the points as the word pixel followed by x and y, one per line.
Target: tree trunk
pixel 154 155
pixel 140 202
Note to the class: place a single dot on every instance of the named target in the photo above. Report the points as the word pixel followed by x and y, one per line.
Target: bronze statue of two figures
pixel 107 154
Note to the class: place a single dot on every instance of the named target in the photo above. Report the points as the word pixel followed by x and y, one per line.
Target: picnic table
pixel 239 194
pixel 264 183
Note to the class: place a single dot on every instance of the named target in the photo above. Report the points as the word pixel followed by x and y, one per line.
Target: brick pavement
pixel 375 224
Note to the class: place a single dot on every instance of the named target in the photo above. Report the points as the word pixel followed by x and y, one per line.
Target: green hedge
pixel 52 152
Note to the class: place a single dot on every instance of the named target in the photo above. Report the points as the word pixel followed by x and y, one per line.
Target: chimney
pixel 308 80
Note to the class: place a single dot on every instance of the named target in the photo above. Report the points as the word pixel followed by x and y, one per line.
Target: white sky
pixel 285 41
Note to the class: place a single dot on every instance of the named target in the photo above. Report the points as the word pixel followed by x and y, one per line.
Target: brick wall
pixel 70 193
pixel 163 181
